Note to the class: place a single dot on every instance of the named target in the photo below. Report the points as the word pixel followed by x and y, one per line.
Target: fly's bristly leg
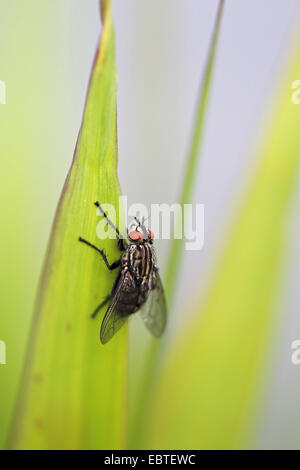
pixel 112 266
pixel 137 221
pixel 121 244
pixel 97 204
pixel 97 310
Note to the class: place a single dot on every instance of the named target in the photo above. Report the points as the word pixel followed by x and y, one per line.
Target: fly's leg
pixel 143 220
pixel 121 243
pixel 97 204
pixel 107 299
pixel 112 266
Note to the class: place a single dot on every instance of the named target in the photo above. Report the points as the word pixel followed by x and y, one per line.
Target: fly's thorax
pixel 139 258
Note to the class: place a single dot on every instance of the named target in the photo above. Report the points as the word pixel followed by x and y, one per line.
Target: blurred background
pixel 46 51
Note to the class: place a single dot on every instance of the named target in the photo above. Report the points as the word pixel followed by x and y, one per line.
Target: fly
pixel 137 288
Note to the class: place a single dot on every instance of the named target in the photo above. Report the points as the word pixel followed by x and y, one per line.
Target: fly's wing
pixel 154 311
pixel 112 320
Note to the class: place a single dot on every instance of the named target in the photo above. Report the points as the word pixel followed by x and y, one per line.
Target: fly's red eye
pixel 151 234
pixel 135 235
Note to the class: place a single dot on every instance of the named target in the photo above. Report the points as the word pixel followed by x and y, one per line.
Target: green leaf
pixel 74 390
pixel 210 383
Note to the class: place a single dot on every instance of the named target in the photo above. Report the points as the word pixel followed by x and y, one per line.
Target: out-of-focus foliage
pixel 147 373
pixel 203 389
pixel 189 179
pixel 210 380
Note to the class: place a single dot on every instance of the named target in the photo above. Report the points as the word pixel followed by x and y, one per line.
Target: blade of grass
pixel 210 384
pixel 150 369
pixel 74 390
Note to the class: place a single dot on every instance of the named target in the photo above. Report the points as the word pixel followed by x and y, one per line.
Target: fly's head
pixel 140 234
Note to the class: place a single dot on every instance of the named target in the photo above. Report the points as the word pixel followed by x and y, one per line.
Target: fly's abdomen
pixel 132 296
pixel 127 302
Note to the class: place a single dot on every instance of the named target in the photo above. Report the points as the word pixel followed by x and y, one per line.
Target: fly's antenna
pixel 141 225
pixel 144 219
pixel 137 222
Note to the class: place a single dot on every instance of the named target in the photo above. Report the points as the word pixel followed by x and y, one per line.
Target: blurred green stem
pixel 154 351
pixel 193 156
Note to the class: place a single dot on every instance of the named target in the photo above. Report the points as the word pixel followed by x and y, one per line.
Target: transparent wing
pixel 112 320
pixel 154 311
